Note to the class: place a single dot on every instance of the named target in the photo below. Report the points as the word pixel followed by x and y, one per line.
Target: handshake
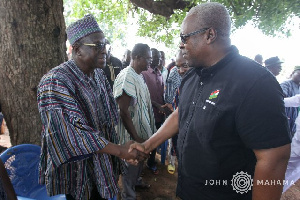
pixel 134 152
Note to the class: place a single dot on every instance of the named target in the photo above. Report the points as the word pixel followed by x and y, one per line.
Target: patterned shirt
pixel 290 89
pixel 172 83
pixel 140 109
pixel 78 114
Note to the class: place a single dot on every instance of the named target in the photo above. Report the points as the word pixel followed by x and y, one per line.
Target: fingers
pixel 141 156
pixel 137 146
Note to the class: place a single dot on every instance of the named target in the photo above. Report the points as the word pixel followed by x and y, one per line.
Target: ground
pixel 163 185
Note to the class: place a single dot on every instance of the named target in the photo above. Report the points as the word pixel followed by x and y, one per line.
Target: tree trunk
pixel 32 41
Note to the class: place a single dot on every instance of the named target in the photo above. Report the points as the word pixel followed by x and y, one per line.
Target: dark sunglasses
pixel 186 36
pixel 99 46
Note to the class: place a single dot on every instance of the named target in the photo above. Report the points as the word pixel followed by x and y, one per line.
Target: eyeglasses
pixel 186 36
pixel 99 46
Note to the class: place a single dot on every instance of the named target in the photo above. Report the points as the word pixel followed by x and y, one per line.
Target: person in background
pixel 273 64
pixel 155 84
pixel 126 58
pixel 171 99
pixel 113 66
pixel 231 117
pixel 259 59
pixel 292 173
pixel 291 88
pixel 80 154
pixel 137 118
pixel 161 67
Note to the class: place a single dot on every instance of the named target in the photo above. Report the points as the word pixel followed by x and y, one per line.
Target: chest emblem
pixel 214 94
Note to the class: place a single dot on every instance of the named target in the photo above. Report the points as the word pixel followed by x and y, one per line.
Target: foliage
pixel 111 15
pixel 271 16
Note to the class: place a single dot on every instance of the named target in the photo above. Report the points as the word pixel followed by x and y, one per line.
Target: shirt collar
pixel 233 52
pixel 154 71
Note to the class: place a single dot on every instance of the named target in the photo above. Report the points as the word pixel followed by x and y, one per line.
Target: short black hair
pixel 139 50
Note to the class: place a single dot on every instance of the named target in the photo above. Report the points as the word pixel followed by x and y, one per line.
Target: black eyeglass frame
pixel 184 37
pixel 100 46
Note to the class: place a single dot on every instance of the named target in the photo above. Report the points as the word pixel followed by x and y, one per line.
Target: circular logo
pixel 241 182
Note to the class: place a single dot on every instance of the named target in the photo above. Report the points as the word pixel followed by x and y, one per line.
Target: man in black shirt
pixel 231 118
pixel 113 66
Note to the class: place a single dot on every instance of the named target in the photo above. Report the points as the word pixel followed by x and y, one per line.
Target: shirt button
pixel 201 83
pixel 193 103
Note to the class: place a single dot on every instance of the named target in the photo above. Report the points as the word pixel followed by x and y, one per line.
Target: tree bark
pixel 32 41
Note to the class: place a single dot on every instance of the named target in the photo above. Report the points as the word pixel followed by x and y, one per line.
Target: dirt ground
pixel 163 185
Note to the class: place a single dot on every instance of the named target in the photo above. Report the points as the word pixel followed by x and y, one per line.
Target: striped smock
pixel 78 116
pixel 140 108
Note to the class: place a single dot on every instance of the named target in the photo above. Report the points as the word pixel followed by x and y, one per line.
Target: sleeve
pixel 65 127
pixel 292 101
pixel 261 120
pixel 285 88
pixel 172 84
pixel 125 82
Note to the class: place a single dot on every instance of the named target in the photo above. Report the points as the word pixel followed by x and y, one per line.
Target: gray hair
pixel 212 14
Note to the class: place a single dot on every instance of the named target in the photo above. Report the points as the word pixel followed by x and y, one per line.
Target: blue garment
pixel 290 89
pixel 1 118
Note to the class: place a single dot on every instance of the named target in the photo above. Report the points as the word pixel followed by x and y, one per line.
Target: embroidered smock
pixel 172 84
pixel 78 115
pixel 140 108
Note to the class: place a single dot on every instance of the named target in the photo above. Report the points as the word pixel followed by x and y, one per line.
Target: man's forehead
pixel 95 37
pixel 188 24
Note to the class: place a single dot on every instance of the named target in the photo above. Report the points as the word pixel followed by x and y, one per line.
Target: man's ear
pixel 211 35
pixel 76 48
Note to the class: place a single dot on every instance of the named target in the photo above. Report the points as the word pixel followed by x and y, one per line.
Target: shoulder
pixel 116 62
pixel 246 71
pixel 287 82
pixel 127 73
pixel 58 73
pixel 173 74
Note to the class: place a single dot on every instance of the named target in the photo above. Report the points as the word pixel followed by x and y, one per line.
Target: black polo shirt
pixel 225 111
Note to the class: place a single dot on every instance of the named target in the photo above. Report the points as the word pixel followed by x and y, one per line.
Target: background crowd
pixel 220 114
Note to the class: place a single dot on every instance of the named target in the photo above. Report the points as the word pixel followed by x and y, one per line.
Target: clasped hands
pixel 135 152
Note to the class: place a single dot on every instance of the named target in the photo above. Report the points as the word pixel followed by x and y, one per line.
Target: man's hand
pixel 162 108
pixel 133 156
pixel 167 109
pixel 138 146
pixel 168 105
